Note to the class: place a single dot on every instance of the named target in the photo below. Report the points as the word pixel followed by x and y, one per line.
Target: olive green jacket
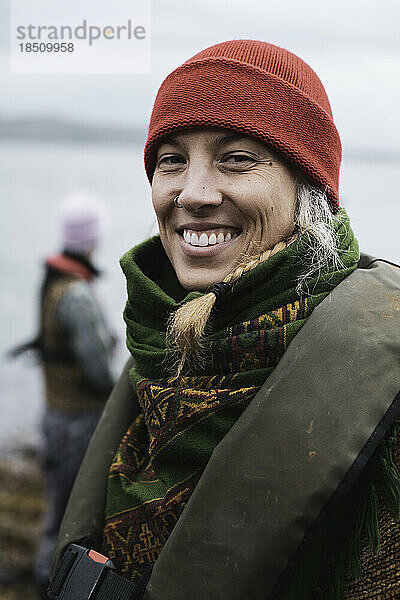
pixel 318 418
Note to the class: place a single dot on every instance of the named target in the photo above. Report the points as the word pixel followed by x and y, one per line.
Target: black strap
pixel 84 574
pixel 115 587
pixel 64 567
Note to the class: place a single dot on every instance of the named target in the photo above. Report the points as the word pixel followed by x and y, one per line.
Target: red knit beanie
pixel 261 90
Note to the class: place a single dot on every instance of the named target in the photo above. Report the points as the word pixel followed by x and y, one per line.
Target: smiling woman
pixel 249 449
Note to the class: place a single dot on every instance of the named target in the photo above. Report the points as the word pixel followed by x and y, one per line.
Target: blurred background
pixel 63 132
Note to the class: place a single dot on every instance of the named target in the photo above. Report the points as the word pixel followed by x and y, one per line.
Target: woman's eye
pixel 237 159
pixel 173 159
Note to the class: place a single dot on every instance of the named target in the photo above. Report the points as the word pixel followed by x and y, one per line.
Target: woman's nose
pixel 199 191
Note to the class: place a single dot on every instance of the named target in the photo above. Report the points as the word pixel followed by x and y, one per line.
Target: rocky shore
pixel 21 511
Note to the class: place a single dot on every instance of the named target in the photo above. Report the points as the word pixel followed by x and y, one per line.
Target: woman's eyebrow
pixel 219 141
pixel 170 140
pixel 233 137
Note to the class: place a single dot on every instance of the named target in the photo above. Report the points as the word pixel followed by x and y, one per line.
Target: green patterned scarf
pixel 164 452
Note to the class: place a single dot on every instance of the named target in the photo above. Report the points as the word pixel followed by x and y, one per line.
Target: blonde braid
pixel 186 326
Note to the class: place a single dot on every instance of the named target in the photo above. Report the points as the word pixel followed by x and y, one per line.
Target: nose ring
pixel 177 203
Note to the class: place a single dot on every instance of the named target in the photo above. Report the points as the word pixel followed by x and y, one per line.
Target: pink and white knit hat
pixel 82 222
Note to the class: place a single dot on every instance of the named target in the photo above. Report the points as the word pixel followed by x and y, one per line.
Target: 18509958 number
pixel 47 47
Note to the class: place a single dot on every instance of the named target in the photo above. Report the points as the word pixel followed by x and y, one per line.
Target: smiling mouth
pixel 209 237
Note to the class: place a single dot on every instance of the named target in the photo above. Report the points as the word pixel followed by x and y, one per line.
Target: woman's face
pixel 238 199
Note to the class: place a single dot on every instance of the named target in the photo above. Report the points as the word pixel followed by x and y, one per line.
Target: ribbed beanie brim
pixel 259 89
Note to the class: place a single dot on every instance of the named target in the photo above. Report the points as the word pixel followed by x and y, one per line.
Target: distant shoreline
pixel 42 130
pixel 56 130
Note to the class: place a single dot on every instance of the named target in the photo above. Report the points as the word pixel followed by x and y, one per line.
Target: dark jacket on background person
pixel 74 340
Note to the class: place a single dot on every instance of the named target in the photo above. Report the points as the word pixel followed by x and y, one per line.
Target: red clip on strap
pixel 97 557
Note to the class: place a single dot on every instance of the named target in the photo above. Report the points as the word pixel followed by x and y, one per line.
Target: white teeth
pixel 203 241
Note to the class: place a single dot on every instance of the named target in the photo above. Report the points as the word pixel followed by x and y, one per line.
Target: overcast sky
pixel 353 45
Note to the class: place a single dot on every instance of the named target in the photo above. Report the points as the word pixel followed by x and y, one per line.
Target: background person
pixel 75 345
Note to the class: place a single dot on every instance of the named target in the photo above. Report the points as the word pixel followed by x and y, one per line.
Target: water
pixel 33 180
